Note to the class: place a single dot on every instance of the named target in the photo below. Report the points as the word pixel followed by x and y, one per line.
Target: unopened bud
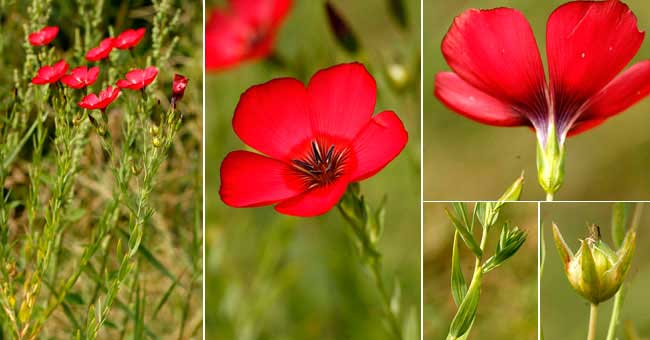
pixel 156 141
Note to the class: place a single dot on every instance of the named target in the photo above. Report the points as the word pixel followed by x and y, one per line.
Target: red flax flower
pixel 129 38
pixel 44 36
pixel 81 77
pixel 50 74
pixel 137 79
pixel 316 140
pixel 244 31
pixel 178 88
pixel 499 79
pixel 94 102
pixel 100 52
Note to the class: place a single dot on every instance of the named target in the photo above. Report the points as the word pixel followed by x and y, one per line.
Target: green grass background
pixel 565 315
pixel 465 160
pixel 508 302
pixel 270 276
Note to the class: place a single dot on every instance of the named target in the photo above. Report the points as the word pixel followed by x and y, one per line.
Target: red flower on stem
pixel 50 74
pixel 316 140
pixel 44 36
pixel 128 38
pixel 137 79
pixel 244 31
pixel 178 88
pixel 100 52
pixel 81 77
pixel 499 79
pixel 94 102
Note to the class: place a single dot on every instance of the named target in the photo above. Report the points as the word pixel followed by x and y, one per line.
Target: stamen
pixel 317 170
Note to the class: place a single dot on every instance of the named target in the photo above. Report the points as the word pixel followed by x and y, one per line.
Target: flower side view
pixel 138 79
pixel 44 36
pixel 102 51
pixel 129 38
pixel 50 74
pixel 81 77
pixel 596 272
pixel 316 139
pixel 244 31
pixel 94 102
pixel 178 88
pixel 498 78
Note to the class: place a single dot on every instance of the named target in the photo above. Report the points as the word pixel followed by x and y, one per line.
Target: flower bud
pixel 157 142
pixel 178 88
pixel 596 271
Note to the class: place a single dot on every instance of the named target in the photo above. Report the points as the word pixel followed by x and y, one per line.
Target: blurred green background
pixel 465 160
pixel 508 303
pixel 565 314
pixel 270 276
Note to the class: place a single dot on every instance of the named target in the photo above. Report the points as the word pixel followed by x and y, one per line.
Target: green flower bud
pixel 596 271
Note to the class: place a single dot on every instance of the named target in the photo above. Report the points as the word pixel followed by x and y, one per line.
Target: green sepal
pixel 465 234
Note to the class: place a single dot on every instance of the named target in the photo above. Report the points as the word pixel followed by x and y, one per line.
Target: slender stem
pixel 392 318
pixel 616 311
pixel 593 319
pixel 549 197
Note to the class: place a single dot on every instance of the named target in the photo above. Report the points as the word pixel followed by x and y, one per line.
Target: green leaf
pixel 465 234
pixel 510 242
pixel 458 284
pixel 486 213
pixel 620 215
pixel 341 29
pixel 398 12
pixel 467 311
pixel 513 193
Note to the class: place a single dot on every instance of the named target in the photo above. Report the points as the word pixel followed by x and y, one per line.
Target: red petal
pixel 377 144
pixel 263 12
pixel 621 93
pixel 588 43
pixel 273 117
pixel 249 179
pixel 473 103
pixel 314 202
pixel 496 52
pixel 342 100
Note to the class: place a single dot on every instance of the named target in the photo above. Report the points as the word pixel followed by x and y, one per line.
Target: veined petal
pixel 314 202
pixel 273 117
pixel 495 51
pixel 249 180
pixel 467 100
pixel 342 100
pixel 383 138
pixel 626 90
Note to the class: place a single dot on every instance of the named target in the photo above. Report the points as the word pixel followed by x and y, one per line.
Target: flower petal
pixel 587 44
pixel 495 51
pixel 249 180
pixel 273 117
pixel 314 202
pixel 377 144
pixel 269 12
pixel 475 104
pixel 626 90
pixel 342 100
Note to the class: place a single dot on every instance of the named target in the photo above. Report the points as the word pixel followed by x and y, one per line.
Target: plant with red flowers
pixel 129 38
pixel 94 102
pixel 50 74
pixel 243 31
pixel 138 79
pixel 102 51
pixel 81 77
pixel 44 36
pixel 498 77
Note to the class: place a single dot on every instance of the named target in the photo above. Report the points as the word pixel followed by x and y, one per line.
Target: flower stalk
pixel 593 322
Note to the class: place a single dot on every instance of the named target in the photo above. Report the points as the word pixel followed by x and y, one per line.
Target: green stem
pixel 616 312
pixel 593 319
pixel 549 197
pixel 392 318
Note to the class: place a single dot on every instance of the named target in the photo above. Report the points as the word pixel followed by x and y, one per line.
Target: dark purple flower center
pixel 322 165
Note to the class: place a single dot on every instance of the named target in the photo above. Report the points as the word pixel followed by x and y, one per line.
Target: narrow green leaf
pixel 458 284
pixel 398 12
pixel 620 215
pixel 164 298
pixel 467 311
pixel 149 257
pixel 341 29
pixel 466 235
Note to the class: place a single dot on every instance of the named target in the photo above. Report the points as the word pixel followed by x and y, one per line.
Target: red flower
pixel 81 77
pixel 93 102
pixel 44 36
pixel 499 79
pixel 50 74
pixel 244 31
pixel 100 52
pixel 317 139
pixel 137 79
pixel 129 38
pixel 178 88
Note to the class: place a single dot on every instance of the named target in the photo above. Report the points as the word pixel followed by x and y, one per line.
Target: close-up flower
pixel 50 74
pixel 137 79
pixel 178 88
pixel 129 38
pixel 95 102
pixel 102 51
pixel 244 30
pixel 81 77
pixel 498 77
pixel 43 36
pixel 316 139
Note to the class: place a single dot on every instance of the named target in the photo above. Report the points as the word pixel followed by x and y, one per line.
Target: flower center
pixel 321 166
